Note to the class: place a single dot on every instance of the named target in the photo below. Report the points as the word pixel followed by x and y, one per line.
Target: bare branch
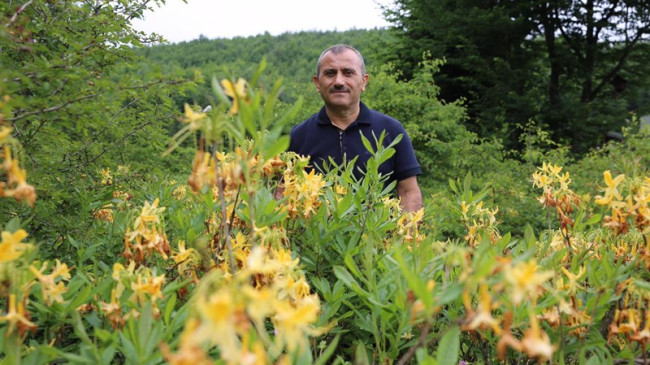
pixel 53 108
pixel 20 10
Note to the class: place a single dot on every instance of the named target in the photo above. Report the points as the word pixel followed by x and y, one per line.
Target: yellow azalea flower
pixel 15 316
pixel 119 270
pixel 259 263
pixel 25 192
pixel 259 303
pixel 113 310
pixel 293 322
pixel 179 192
pixel 11 246
pixel 204 171
pixel 341 190
pixel 540 180
pixel 185 258
pixel 551 168
pixel 482 318
pixel 236 92
pixel 536 343
pixel 283 257
pixel 525 280
pixel 573 286
pixel 464 209
pixel 150 213
pixel 107 178
pixel 5 132
pixel 191 116
pixel 51 290
pixel 611 190
pixel 253 356
pixel 151 286
pixel 643 336
pixel 564 180
pixel 300 289
pixel 189 352
pixel 632 324
pixel 507 339
pixel 219 308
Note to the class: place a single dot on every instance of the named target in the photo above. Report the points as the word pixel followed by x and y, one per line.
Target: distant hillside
pixel 290 55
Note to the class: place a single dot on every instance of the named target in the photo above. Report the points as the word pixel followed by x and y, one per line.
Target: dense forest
pixel 140 227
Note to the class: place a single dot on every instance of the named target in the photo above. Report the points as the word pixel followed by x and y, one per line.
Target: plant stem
pixel 421 342
pixel 225 228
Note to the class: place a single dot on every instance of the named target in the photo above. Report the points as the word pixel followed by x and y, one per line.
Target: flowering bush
pixel 255 261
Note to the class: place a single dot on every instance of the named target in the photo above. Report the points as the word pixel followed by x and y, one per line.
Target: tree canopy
pixel 571 66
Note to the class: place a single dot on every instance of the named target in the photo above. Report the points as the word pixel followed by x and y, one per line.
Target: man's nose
pixel 338 80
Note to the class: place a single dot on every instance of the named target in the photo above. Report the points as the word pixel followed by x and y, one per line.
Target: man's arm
pixel 409 193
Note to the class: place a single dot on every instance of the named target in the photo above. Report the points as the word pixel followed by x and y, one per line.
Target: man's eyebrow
pixel 343 69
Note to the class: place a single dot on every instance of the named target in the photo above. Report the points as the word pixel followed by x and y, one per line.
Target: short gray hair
pixel 340 48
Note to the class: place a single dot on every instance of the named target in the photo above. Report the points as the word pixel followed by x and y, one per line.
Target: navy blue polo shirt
pixel 318 138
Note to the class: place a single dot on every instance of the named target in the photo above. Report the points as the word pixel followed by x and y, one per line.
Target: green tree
pixel 484 63
pixel 77 103
pixel 560 63
pixel 591 47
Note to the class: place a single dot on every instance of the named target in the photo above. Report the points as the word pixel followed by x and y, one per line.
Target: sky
pixel 177 21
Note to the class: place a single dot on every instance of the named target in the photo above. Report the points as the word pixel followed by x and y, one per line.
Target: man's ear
pixel 365 82
pixel 315 79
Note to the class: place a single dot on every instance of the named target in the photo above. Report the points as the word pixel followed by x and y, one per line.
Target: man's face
pixel 341 81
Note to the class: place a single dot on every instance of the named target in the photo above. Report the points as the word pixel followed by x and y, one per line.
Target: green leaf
pixel 280 145
pixel 108 354
pixel 423 358
pixel 247 119
pixel 80 298
pixel 342 274
pixel 352 265
pixel 329 351
pixel 259 71
pixel 449 346
pixel 415 282
pixel 361 355
pixel 79 328
pixel 169 308
pixel 366 143
pixel 127 348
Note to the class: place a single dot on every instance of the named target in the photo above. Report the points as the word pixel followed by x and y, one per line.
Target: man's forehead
pixel 340 61
pixel 346 54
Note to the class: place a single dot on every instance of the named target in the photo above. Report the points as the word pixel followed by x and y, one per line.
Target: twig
pixel 20 10
pixel 421 341
pixel 53 108
pixel 637 361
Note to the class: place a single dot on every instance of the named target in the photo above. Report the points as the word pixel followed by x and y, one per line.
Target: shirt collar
pixel 363 118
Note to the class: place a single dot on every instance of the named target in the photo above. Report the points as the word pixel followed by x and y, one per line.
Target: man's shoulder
pixel 384 121
pixel 305 125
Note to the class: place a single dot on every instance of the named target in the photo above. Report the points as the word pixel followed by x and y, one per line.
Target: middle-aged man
pixel 335 131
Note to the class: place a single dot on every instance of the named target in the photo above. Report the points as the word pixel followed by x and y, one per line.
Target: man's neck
pixel 342 118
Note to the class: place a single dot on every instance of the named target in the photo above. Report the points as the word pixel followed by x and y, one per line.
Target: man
pixel 335 130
